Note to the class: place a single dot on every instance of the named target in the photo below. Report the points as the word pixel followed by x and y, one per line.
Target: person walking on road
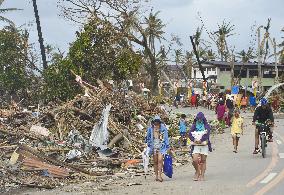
pixel 204 100
pixel 252 102
pixel 220 110
pixel 158 142
pixel 237 129
pixel 177 100
pixel 182 130
pixel 230 108
pixel 200 138
pixel 261 115
pixel 244 102
pixel 238 101
pixel 194 101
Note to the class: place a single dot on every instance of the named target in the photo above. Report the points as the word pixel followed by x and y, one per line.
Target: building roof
pixel 174 71
pixel 248 64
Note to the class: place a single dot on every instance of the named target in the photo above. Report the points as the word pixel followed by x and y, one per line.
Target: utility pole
pixel 275 58
pixel 259 57
pixel 40 39
pixel 232 65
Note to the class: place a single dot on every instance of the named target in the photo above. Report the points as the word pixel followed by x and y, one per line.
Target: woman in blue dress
pixel 158 142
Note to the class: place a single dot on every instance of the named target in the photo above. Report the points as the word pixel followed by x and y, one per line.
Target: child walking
pixel 237 129
pixel 182 130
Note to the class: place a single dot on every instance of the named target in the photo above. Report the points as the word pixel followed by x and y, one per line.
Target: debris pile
pixel 93 135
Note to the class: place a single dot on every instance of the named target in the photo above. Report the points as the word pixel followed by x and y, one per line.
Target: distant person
pixel 237 129
pixel 238 101
pixel 194 101
pixel 204 100
pixel 213 103
pixel 200 138
pixel 230 107
pixel 209 101
pixel 252 102
pixel 177 100
pixel 158 141
pixel 221 114
pixel 244 102
pixel 197 100
pixel 182 130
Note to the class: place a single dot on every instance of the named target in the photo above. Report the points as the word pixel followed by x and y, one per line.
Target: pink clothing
pixel 221 112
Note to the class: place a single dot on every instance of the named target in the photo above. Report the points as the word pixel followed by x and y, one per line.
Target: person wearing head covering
pixel 237 129
pixel 201 145
pixel 261 114
pixel 221 110
pixel 158 143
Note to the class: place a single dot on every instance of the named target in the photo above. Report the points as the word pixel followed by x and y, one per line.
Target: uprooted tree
pixel 139 33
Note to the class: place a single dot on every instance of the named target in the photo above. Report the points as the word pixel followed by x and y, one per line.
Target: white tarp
pixel 99 135
pixel 146 158
pixel 268 93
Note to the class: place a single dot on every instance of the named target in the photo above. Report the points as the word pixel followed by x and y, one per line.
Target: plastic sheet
pixel 100 134
pixel 168 166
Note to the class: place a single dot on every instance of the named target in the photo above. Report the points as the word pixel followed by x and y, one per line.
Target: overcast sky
pixel 181 17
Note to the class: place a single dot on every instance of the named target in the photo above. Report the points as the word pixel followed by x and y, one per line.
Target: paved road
pixel 227 172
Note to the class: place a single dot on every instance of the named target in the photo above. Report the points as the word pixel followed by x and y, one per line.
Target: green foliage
pixel 59 83
pixel 102 53
pixel 13 71
pixel 246 56
pixel 127 63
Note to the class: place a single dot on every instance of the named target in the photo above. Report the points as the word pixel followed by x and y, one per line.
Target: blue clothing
pixel 182 134
pixel 164 143
pixel 252 101
pixel 200 126
pixel 235 90
pixel 205 126
pixel 182 126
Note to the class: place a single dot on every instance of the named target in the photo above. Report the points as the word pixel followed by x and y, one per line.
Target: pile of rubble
pixel 92 136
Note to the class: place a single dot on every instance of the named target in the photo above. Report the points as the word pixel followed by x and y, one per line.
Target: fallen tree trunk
pixel 119 137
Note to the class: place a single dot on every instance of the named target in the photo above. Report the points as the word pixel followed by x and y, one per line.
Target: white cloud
pixel 180 15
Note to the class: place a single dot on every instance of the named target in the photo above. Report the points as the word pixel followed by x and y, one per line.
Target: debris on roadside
pixel 86 138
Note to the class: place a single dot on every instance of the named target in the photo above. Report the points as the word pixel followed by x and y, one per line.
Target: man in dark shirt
pixel 261 115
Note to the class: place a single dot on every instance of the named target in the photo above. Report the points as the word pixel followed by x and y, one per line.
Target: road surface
pixel 227 173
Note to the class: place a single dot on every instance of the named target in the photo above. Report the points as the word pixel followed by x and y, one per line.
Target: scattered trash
pixel 146 159
pixel 14 158
pixel 99 136
pixel 73 154
pixel 134 184
pixel 105 153
pixel 95 134
pixel 40 130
